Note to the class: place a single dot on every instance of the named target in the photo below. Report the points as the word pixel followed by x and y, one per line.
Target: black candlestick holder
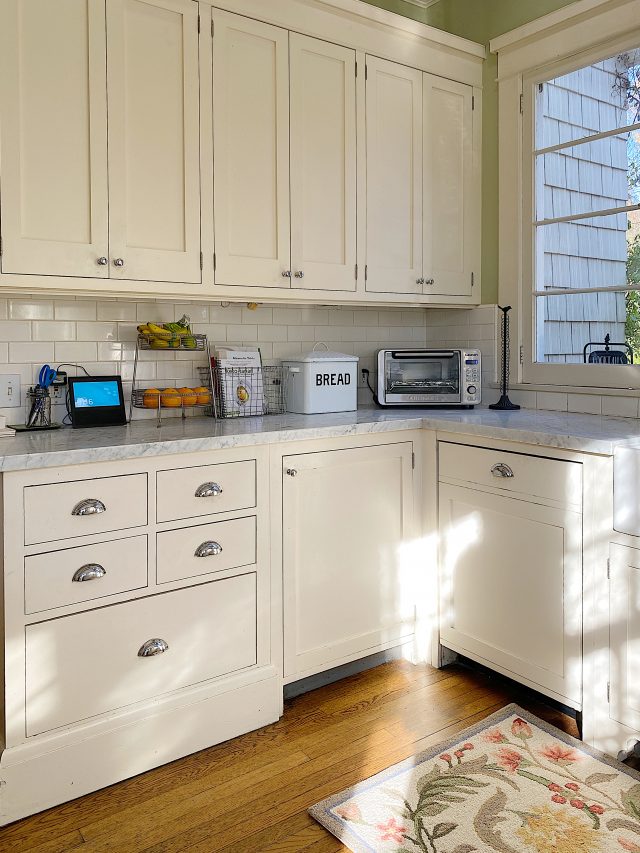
pixel 504 403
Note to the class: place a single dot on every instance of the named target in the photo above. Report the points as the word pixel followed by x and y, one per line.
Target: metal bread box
pixel 322 382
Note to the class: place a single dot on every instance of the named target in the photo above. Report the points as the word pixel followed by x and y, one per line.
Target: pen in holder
pixel 38 408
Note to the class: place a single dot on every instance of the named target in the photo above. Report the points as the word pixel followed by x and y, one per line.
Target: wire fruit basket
pixel 245 392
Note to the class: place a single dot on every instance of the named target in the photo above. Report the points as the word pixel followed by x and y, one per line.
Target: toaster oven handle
pixel 422 354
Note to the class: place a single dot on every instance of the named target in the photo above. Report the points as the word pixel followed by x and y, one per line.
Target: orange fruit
pixel 151 398
pixel 189 396
pixel 170 398
pixel 204 395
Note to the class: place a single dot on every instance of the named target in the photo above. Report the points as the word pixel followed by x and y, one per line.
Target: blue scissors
pixel 47 376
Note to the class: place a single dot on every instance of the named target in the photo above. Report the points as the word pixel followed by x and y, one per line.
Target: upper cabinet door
pixel 251 152
pixel 449 229
pixel 394 177
pixel 53 137
pixel 154 147
pixel 323 164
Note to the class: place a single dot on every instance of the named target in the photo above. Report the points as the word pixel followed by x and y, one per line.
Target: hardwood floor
pixel 250 795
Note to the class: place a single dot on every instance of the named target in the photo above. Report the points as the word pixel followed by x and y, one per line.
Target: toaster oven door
pixel 422 376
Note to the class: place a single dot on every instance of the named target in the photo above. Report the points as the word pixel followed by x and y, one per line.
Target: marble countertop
pixel 586 433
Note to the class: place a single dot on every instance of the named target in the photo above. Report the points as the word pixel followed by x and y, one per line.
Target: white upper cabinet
pixel 53 137
pixel 251 152
pixel 394 177
pixel 154 148
pixel 449 230
pixel 323 164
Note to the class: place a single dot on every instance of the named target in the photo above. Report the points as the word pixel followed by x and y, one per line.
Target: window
pixel 581 224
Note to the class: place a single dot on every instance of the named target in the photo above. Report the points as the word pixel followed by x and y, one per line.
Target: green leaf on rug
pixel 595 778
pixel 631 801
pixel 442 829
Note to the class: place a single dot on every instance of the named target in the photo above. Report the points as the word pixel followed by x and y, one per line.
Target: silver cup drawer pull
pixel 89 572
pixel 502 470
pixel 156 646
pixel 208 490
pixel 208 549
pixel 90 506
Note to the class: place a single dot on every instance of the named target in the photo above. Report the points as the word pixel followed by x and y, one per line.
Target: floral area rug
pixel 511 784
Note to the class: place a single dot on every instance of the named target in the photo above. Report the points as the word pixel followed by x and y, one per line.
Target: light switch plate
pixel 10 390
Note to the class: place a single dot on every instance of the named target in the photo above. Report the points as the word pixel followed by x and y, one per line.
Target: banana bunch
pixel 169 335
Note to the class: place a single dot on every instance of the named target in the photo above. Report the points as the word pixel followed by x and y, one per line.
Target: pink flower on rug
pixel 553 787
pixel 510 759
pixel 391 831
pixel 596 809
pixel 349 811
pixel 521 729
pixel 631 846
pixel 577 804
pixel 495 736
pixel 572 786
pixel 558 799
pixel 445 757
pixel 560 754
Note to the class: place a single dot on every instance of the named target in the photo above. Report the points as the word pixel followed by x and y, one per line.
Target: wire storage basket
pixel 245 392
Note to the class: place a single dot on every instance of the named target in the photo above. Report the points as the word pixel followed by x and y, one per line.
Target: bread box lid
pixel 323 355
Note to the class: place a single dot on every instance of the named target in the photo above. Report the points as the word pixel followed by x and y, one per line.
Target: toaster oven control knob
pixel 471 390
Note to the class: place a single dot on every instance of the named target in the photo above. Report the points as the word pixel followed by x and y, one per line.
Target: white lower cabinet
pixel 511 573
pixel 134 651
pixel 347 523
pixel 624 635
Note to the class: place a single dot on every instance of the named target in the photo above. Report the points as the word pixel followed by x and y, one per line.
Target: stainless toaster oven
pixel 429 377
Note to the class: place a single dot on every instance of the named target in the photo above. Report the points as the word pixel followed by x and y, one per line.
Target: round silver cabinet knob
pixel 429 281
pixel 299 274
pixel 102 262
pixel 286 273
pixel 118 262
pixel 419 281
pixel 291 472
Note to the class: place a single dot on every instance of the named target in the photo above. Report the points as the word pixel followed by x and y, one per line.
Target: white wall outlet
pixel 10 390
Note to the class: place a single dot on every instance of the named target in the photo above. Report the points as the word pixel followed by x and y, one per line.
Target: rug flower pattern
pixel 511 787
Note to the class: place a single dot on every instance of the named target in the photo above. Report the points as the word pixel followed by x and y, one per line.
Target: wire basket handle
pixel 320 344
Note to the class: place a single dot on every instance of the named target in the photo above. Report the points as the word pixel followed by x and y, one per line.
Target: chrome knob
pixel 119 262
pixel 208 549
pixel 89 572
pixel 419 281
pixel 299 274
pixel 429 281
pixel 291 472
pixel 502 470
pixel 156 646
pixel 208 490
pixel 102 262
pixel 90 506
pixel 286 273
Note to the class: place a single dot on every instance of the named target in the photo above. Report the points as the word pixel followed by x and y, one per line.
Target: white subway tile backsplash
pixel 53 330
pixel 97 332
pixel 552 400
pixel 11 330
pixel 75 352
pixel 621 407
pixel 587 404
pixel 79 309
pixel 225 314
pixel 116 310
pixel 34 351
pixel 3 309
pixel 30 309
pixel 242 334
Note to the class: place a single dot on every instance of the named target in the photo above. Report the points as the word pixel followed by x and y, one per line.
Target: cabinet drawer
pixel 206 548
pixel 205 490
pixel 56 511
pixel 90 663
pixel 552 479
pixel 83 574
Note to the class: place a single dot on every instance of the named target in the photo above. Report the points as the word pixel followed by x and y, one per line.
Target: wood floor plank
pixel 251 795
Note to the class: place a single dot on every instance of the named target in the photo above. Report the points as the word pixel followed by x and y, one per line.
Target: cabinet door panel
pixel 394 177
pixel 624 622
pixel 511 586
pixel 154 147
pixel 251 151
pixel 53 137
pixel 348 589
pixel 448 187
pixel 323 164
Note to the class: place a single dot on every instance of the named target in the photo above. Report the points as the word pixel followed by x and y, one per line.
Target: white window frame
pixel 586 32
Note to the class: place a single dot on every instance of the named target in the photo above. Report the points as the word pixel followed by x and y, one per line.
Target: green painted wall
pixel 480 21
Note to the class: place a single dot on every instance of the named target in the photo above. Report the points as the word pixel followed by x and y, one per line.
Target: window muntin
pixel 586 219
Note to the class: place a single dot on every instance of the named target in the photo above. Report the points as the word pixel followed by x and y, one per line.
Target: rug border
pixel 341 830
